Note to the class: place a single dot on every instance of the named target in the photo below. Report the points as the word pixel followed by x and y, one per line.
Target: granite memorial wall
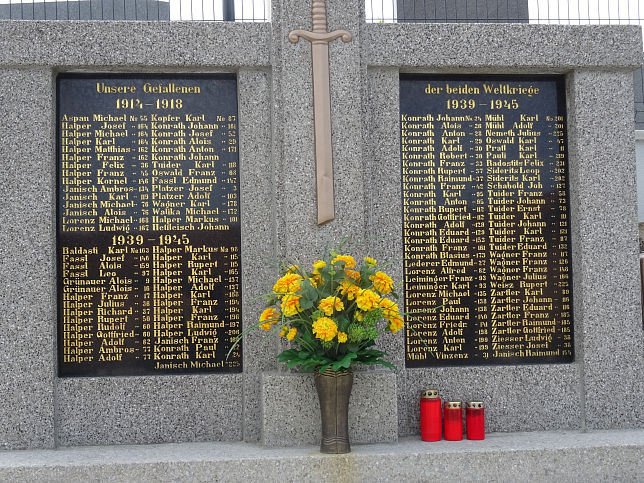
pixel 493 163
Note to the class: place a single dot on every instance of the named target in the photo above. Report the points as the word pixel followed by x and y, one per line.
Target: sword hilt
pixel 318 15
pixel 319 34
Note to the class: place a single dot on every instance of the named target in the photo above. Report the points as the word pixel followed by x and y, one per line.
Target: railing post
pixel 229 10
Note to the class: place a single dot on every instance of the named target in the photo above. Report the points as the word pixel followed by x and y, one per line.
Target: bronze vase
pixel 334 390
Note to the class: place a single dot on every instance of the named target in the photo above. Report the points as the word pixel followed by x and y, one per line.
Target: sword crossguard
pixel 319 37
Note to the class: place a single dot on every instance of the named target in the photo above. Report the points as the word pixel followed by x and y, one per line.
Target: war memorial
pixel 153 169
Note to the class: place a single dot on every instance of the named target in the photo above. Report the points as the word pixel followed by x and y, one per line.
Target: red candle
pixel 453 414
pixel 431 420
pixel 475 420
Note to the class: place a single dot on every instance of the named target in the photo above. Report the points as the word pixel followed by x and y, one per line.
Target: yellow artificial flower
pixel 391 313
pixel 370 261
pixel 354 274
pixel 329 304
pixel 325 328
pixel 291 333
pixel 389 308
pixel 367 300
pixel 348 260
pixel 359 316
pixel 395 325
pixel 289 283
pixel 270 314
pixel 290 305
pixel 342 337
pixel 382 282
pixel 349 288
pixel 316 279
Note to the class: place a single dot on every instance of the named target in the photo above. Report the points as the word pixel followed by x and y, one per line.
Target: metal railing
pixel 576 12
pixel 198 10
pixel 479 11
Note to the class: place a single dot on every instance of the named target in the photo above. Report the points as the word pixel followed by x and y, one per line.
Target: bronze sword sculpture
pixel 320 39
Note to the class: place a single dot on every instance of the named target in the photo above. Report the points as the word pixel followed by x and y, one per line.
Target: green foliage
pixel 357 333
pixel 371 318
pixel 310 361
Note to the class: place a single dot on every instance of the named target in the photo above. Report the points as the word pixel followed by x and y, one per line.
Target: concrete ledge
pixel 119 45
pixel 516 457
pixel 507 47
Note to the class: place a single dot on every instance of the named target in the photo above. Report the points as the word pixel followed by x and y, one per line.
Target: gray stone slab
pixel 142 410
pixel 384 210
pixel 27 270
pixel 519 457
pixel 115 410
pixel 291 410
pixel 508 47
pixel 193 408
pixel 346 77
pixel 608 317
pixel 552 392
pixel 258 235
pixel 296 168
pixel 303 240
pixel 151 46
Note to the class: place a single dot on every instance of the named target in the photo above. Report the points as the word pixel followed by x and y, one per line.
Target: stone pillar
pixel 27 260
pixel 257 180
pixel 300 238
pixel 608 325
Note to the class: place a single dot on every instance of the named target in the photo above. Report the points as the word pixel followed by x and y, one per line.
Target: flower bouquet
pixel 333 313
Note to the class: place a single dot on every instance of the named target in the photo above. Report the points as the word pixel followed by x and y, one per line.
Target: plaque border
pixel 561 103
pixel 59 279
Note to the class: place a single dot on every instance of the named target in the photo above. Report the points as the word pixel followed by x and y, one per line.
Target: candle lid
pixel 453 405
pixel 429 394
pixel 475 405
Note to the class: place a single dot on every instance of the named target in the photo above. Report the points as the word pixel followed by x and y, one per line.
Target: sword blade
pixel 322 127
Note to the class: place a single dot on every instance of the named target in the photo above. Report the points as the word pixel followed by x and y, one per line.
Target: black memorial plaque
pixel 485 220
pixel 148 234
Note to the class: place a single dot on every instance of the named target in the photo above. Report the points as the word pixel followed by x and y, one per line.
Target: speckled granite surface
pixel 601 389
pixel 27 267
pixel 291 411
pixel 515 457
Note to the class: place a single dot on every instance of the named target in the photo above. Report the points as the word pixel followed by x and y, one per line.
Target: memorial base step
pixel 516 457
